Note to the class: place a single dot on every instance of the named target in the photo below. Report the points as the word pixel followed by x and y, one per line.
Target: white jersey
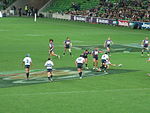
pixel 80 60
pixel 27 61
pixel 49 64
pixel 105 57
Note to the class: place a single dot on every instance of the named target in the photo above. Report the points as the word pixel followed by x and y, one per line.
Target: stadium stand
pixel 5 3
pixel 129 10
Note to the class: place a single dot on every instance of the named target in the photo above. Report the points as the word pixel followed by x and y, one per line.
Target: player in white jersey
pixel 79 63
pixel 51 48
pixel 49 65
pixel 104 58
pixel 107 44
pixel 27 61
pixel 145 46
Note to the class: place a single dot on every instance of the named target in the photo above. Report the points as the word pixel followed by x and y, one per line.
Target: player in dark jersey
pixel 145 46
pixel 67 46
pixel 85 56
pixel 51 48
pixel 107 44
pixel 95 53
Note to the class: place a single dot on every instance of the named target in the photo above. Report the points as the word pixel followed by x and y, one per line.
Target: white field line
pixel 80 92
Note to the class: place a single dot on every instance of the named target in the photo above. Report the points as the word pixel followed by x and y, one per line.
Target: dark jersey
pixel 95 53
pixel 145 43
pixel 51 46
pixel 85 54
pixel 108 43
pixel 67 43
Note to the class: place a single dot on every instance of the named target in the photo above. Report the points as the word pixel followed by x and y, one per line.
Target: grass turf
pixel 113 93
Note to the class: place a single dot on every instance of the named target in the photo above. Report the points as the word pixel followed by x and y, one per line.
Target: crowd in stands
pixel 128 10
pixel 5 3
pixel 27 11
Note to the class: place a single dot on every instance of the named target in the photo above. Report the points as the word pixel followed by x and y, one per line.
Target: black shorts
pixel 51 50
pixel 49 70
pixel 67 46
pixel 145 46
pixel 85 57
pixel 80 65
pixel 103 61
pixel 27 66
pixel 95 57
pixel 108 46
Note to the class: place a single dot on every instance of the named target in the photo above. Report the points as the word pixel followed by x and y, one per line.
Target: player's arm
pixel 142 43
pixel 71 45
pixel 52 63
pixel 112 42
pixel 23 63
pixel 76 63
pixel 100 51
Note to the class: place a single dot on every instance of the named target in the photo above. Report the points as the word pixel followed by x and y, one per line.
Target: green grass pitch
pixel 125 89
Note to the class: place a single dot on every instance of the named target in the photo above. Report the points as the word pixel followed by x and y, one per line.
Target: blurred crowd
pixel 27 10
pixel 125 10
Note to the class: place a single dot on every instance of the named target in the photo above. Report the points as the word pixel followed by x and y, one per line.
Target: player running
pixel 51 49
pixel 107 44
pixel 79 63
pixel 67 46
pixel 85 56
pixel 49 64
pixel 27 61
pixel 145 46
pixel 95 53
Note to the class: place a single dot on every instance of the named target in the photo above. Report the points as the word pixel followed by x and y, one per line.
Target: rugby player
pixel 95 53
pixel 104 59
pixel 49 64
pixel 27 61
pixel 85 56
pixel 67 46
pixel 107 44
pixel 79 64
pixel 145 46
pixel 51 49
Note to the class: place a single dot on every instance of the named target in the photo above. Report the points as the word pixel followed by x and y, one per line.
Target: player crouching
pixel 79 63
pixel 104 66
pixel 49 64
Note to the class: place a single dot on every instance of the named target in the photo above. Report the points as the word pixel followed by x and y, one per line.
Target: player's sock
pixel 63 53
pixel 80 74
pixel 142 52
pixel 49 78
pixel 85 65
pixel 70 53
pixel 27 75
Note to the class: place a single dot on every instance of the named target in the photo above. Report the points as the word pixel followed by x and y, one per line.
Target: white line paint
pixel 78 92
